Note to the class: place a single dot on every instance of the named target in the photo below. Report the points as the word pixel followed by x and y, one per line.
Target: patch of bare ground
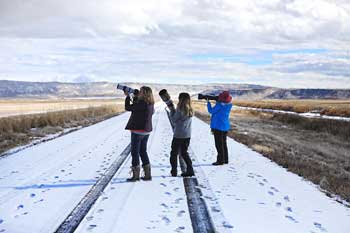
pixel 316 149
pixel 20 130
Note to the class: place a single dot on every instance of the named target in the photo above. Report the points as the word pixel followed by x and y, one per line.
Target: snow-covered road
pixel 41 185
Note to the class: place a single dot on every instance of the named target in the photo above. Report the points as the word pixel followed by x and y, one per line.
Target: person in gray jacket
pixel 181 119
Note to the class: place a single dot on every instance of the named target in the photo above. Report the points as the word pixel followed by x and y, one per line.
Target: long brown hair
pixel 184 105
pixel 147 94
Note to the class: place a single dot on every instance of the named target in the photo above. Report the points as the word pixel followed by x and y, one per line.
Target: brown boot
pixel 147 171
pixel 135 174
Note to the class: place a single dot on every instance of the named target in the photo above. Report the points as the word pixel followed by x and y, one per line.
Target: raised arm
pixel 136 107
pixel 214 109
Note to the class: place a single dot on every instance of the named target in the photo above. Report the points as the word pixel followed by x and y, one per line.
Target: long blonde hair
pixel 146 94
pixel 184 105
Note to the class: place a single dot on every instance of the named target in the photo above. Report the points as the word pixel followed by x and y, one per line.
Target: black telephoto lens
pixel 164 95
pixel 208 97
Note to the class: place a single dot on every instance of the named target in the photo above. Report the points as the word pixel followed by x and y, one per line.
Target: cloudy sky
pixel 285 43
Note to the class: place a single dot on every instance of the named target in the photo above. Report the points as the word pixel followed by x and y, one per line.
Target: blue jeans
pixel 139 149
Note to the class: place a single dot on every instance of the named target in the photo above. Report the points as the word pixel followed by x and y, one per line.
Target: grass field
pixel 325 107
pixel 25 120
pixel 316 149
pixel 14 107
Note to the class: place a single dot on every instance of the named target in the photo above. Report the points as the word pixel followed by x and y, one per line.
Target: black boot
pixel 147 171
pixel 189 171
pixel 173 172
pixel 135 174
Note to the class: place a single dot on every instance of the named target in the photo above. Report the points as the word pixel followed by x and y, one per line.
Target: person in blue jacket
pixel 220 125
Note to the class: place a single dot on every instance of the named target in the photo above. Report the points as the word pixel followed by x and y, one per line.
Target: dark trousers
pixel 139 149
pixel 221 145
pixel 180 145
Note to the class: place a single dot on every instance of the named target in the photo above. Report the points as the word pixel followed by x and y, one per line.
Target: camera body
pixel 128 89
pixel 208 97
pixel 164 95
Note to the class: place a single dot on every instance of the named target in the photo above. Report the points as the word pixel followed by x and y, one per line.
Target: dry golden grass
pixel 19 130
pixel 326 107
pixel 14 107
pixel 262 149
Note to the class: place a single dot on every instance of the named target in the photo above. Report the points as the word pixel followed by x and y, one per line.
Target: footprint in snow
pixel 32 195
pixel 274 189
pixel 265 180
pixel 2 230
pixel 319 226
pixel 291 218
pixel 89 218
pixel 20 207
pixel 286 198
pixel 181 213
pixel 100 210
pixel 162 184
pixel 227 225
pixel 1 221
pixel 215 209
pixel 180 229
pixel 278 204
pixel 164 205
pixel 166 220
pixel 271 193
pixel 91 227
pixel 261 184
pixel 177 201
pixel 289 209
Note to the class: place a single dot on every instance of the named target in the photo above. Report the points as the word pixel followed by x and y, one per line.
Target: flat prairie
pixel 12 107
pixel 22 121
pixel 325 107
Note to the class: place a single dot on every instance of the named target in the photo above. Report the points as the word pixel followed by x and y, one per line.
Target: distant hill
pixel 19 89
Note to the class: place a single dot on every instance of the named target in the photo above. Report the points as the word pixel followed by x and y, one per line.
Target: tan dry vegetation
pixel 325 107
pixel 19 130
pixel 12 107
pixel 316 149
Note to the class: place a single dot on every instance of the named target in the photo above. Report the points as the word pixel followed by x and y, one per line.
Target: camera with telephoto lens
pixel 164 95
pixel 127 89
pixel 208 97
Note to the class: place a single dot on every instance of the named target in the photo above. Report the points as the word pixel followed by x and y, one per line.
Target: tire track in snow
pixel 81 210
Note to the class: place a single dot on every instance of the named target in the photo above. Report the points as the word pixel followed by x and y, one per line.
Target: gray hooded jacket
pixel 181 123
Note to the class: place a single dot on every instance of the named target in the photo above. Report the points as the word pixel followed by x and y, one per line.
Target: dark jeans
pixel 221 145
pixel 180 145
pixel 139 149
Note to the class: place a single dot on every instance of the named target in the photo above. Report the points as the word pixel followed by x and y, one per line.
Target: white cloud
pixel 156 40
